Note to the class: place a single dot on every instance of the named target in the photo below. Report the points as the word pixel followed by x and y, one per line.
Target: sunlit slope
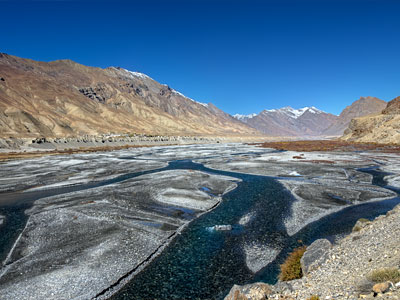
pixel 64 98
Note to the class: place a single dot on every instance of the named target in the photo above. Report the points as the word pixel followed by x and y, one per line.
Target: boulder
pixel 254 291
pixel 361 223
pixel 382 287
pixel 315 255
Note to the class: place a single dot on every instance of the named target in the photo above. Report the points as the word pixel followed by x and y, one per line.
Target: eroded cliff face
pixel 380 128
pixel 63 98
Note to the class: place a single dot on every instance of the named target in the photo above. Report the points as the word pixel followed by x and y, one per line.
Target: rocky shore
pixel 92 141
pixel 344 270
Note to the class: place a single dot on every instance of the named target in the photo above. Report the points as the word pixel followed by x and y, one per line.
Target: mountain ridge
pixel 64 98
pixel 380 128
pixel 362 107
pixel 311 121
pixel 287 121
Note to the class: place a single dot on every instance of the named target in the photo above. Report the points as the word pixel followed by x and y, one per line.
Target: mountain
pixel 287 121
pixel 392 107
pixel 362 107
pixel 244 117
pixel 379 128
pixel 64 98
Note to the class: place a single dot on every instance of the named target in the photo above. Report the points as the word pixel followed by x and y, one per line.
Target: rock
pixel 315 255
pixel 255 291
pixel 361 223
pixel 366 296
pixel 223 227
pixel 381 287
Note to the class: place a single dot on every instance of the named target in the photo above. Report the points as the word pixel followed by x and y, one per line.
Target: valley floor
pixel 75 226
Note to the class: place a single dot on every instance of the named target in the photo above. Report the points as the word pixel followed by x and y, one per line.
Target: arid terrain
pixel 381 128
pixel 63 99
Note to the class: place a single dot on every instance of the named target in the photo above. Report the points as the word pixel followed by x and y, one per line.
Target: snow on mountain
pixel 287 121
pixel 243 117
pixel 144 76
pixel 295 113
pixel 180 94
pixel 288 111
pixel 136 74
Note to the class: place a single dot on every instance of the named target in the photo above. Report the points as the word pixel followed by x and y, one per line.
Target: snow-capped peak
pixel 294 113
pixel 314 110
pixel 243 117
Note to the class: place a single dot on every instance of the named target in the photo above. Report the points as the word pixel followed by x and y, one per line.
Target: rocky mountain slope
pixel 286 121
pixel 310 121
pixel 380 128
pixel 362 107
pixel 63 98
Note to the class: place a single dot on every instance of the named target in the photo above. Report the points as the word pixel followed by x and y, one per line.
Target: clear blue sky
pixel 243 56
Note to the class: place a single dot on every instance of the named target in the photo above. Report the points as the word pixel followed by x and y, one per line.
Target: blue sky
pixel 243 56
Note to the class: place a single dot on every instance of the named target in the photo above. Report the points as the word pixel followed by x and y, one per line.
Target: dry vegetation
pixel 291 268
pixel 330 145
pixel 386 274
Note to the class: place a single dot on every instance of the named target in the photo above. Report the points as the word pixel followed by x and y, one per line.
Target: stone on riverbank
pixel 315 255
pixel 256 291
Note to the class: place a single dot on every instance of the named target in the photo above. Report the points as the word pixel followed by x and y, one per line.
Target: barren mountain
pixel 307 121
pixel 380 128
pixel 362 107
pixel 64 98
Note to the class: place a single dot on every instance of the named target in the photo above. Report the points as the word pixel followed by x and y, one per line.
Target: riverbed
pixel 139 223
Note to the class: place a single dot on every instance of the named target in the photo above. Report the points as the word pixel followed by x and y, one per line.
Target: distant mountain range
pixel 64 98
pixel 310 121
pixel 307 121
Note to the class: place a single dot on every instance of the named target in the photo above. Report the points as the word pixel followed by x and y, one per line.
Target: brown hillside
pixel 64 98
pixel 362 107
pixel 381 128
pixel 393 107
